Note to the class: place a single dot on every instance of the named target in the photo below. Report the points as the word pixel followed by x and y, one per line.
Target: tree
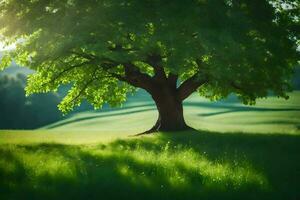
pixel 170 48
pixel 18 112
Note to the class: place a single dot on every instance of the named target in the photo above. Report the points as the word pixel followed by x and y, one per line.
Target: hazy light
pixel 4 47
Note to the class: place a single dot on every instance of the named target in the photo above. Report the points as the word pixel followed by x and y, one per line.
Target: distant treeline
pixel 296 79
pixel 20 112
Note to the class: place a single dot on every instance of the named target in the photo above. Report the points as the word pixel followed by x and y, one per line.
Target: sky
pixel 5 48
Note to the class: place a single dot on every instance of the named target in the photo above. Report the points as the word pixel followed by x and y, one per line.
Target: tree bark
pixel 170 116
pixel 170 111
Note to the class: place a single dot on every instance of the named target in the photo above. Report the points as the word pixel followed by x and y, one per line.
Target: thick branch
pixel 155 61
pixel 190 86
pixel 172 80
pixel 132 74
pixel 136 78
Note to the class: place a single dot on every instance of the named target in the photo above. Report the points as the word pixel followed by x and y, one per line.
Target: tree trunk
pixel 170 112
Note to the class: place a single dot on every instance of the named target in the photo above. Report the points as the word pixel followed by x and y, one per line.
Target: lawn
pixel 238 152
pixel 270 115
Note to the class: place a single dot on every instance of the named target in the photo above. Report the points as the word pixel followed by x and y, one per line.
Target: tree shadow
pixel 234 108
pixel 187 165
pixel 230 108
pixel 96 117
pixel 276 155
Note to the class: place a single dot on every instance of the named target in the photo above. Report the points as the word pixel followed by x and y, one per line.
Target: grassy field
pixel 268 115
pixel 238 152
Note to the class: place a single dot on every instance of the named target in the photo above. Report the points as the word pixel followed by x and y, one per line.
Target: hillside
pixel 269 115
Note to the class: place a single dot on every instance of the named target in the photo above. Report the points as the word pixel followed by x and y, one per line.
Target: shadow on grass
pixel 234 108
pixel 96 117
pixel 230 108
pixel 188 165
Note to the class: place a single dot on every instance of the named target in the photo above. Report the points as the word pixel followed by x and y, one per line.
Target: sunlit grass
pixel 253 155
pixel 185 167
pixel 165 166
pixel 61 137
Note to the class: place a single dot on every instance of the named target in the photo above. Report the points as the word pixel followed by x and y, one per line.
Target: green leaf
pixel 5 61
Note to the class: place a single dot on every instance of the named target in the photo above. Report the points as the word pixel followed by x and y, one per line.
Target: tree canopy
pixel 107 48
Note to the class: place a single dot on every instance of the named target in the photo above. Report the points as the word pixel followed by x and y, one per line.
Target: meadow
pixel 237 152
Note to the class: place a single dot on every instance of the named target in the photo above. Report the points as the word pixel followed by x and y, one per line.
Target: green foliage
pixel 5 61
pixel 246 47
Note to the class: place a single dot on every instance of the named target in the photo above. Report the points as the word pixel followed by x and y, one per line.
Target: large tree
pixel 170 48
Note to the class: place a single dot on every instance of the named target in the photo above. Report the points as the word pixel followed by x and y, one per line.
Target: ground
pixel 238 152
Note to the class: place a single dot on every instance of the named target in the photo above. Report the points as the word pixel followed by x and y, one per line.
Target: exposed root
pixel 156 128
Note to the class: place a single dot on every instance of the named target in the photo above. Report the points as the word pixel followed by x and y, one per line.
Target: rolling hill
pixel 269 115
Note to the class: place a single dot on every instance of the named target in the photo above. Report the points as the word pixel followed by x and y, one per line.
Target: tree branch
pixel 84 87
pixel 190 86
pixel 136 78
pixel 66 70
pixel 155 61
pixel 172 80
pixel 132 74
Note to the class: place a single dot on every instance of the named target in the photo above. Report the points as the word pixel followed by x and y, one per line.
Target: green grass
pixel 239 152
pixel 188 165
pixel 268 115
